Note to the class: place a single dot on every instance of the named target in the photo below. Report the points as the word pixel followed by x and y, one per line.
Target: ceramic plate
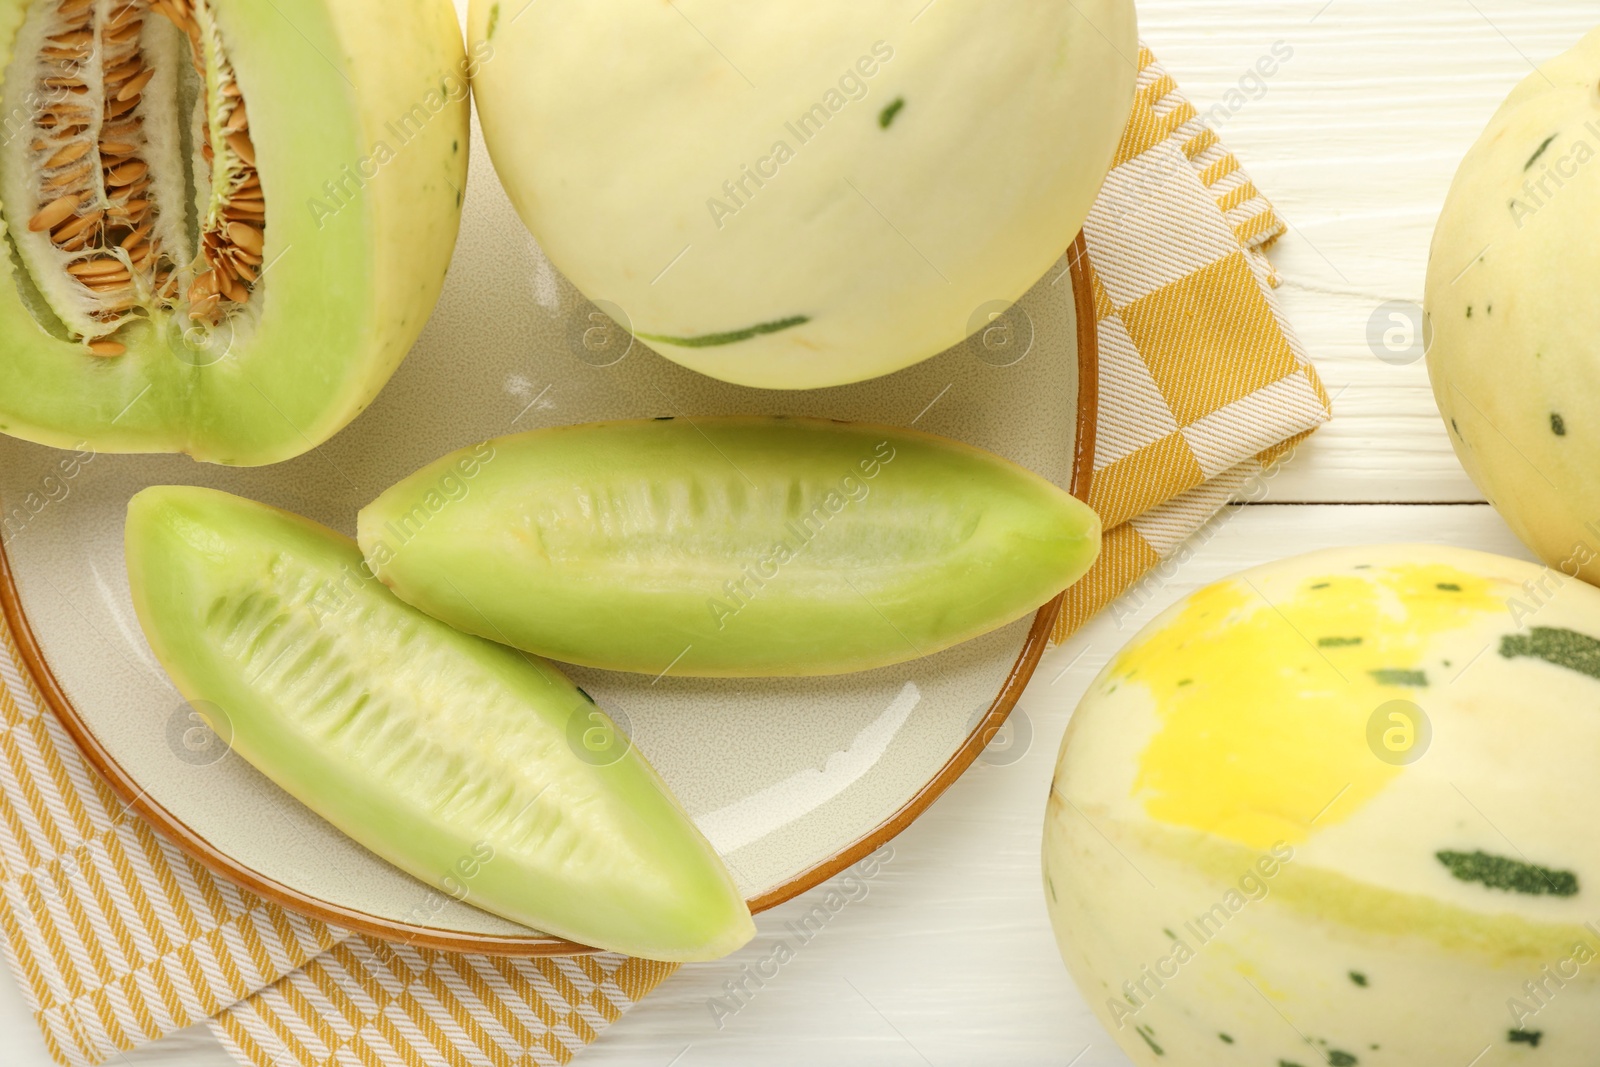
pixel 792 780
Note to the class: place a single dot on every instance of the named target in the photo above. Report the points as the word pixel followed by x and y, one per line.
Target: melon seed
pixel 54 212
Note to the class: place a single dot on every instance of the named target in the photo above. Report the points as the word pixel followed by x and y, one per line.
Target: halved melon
pixel 431 748
pixel 225 222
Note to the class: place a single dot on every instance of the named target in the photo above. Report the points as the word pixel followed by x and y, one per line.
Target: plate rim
pixel 197 848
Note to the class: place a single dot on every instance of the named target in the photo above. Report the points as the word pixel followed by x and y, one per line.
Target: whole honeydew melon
pixel 233 227
pixel 809 195
pixel 1340 809
pixel 728 547
pixel 1515 325
pixel 481 771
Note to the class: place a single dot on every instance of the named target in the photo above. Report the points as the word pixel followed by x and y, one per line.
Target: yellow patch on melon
pixel 1241 683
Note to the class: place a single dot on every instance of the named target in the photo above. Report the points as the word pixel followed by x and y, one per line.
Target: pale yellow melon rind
pixel 886 237
pixel 1511 315
pixel 1349 923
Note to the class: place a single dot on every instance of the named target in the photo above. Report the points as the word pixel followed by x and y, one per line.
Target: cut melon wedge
pixel 442 753
pixel 728 547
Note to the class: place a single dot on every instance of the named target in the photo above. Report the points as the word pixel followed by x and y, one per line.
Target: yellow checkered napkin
pixel 1203 385
pixel 118 939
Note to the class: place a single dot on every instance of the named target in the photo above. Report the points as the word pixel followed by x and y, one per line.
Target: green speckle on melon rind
pixel 1513 876
pixel 1396 677
pixel 711 340
pixel 1548 141
pixel 1561 648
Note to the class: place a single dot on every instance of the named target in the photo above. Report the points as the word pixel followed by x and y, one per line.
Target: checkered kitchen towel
pixel 1203 386
pixel 118 938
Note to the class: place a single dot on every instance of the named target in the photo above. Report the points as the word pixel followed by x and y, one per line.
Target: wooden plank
pixel 1355 138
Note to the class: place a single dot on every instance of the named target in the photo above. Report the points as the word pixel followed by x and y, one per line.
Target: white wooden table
pixel 948 958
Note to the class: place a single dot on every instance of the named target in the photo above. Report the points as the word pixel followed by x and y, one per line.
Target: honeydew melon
pixel 476 769
pixel 227 232
pixel 728 546
pixel 1512 314
pixel 1339 809
pixel 802 197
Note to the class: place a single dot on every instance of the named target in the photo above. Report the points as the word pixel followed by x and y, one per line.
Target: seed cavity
pixel 128 175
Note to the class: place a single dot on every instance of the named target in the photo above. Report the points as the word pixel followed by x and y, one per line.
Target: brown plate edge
pixel 1033 646
pixel 201 850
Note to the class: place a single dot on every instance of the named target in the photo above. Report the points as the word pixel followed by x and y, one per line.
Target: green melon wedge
pixel 423 744
pixel 728 547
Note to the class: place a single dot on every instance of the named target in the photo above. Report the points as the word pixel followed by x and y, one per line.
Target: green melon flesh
pixel 425 745
pixel 358 115
pixel 730 546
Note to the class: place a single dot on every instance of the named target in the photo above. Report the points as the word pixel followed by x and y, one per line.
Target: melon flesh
pixel 728 547
pixel 1232 869
pixel 471 767
pixel 803 198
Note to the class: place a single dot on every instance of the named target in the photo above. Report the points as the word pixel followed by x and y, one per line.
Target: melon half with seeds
pixel 226 221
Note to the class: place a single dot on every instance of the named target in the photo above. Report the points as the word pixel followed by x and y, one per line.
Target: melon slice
pixel 440 752
pixel 727 547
